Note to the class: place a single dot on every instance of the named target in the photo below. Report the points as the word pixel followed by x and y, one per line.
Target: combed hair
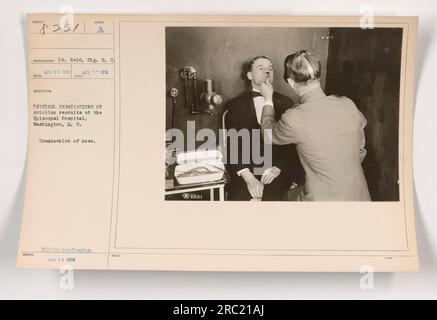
pixel 302 66
pixel 252 61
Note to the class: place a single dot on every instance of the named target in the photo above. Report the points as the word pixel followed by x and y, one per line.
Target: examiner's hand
pixel 255 187
pixel 267 90
pixel 270 174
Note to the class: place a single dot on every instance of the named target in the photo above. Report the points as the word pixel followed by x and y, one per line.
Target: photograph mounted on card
pixel 220 143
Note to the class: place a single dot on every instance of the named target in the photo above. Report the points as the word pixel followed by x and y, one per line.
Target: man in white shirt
pixel 245 113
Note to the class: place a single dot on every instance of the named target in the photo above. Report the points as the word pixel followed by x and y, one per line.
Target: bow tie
pixel 256 94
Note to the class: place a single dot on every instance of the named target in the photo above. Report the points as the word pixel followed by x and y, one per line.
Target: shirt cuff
pixel 241 171
pixel 268 103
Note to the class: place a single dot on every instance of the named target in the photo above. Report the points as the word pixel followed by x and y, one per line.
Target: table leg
pixel 222 193
pixel 211 194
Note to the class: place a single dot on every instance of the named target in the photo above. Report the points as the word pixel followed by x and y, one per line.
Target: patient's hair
pixel 302 66
pixel 252 61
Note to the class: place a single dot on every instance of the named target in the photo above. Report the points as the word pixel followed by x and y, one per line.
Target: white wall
pixel 172 285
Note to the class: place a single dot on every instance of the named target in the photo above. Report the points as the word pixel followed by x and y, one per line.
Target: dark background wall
pixel 219 53
pixel 364 65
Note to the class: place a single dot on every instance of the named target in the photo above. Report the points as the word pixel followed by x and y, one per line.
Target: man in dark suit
pixel 244 112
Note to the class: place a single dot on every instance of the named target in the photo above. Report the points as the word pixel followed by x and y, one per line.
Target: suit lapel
pixel 249 110
pixel 280 106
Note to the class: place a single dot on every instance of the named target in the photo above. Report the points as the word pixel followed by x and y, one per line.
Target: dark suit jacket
pixel 242 114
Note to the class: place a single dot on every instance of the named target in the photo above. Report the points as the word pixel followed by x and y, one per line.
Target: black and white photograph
pixel 282 113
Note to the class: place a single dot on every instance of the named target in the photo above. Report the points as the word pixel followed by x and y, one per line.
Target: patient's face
pixel 262 69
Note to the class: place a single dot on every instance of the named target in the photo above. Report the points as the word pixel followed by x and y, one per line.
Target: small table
pixel 210 185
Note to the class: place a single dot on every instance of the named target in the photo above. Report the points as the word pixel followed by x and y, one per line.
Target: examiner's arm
pixel 282 131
